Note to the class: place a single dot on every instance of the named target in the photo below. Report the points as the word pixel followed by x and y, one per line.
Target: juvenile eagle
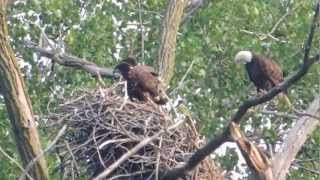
pixel 142 81
pixel 262 71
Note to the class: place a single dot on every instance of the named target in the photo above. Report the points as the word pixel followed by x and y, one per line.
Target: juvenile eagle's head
pixel 124 66
pixel 130 60
pixel 243 57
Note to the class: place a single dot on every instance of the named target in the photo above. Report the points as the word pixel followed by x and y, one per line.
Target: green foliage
pixel 230 160
pixel 214 87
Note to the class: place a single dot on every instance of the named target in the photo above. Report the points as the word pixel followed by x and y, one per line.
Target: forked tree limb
pixel 213 144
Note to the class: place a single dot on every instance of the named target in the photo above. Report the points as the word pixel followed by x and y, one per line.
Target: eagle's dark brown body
pixel 142 81
pixel 263 72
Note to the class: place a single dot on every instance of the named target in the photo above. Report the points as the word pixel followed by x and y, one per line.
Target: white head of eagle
pixel 263 72
pixel 243 57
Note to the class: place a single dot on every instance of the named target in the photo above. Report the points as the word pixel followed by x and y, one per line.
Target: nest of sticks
pixel 102 127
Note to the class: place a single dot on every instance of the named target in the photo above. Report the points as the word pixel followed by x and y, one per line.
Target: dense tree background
pixel 106 31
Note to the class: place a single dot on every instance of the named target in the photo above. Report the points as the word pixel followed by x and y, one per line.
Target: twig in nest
pixel 134 150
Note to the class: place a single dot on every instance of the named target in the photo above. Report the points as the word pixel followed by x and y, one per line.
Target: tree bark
pixel 74 62
pixel 295 140
pixel 18 104
pixel 170 27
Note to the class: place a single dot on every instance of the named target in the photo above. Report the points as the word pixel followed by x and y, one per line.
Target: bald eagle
pixel 262 71
pixel 142 81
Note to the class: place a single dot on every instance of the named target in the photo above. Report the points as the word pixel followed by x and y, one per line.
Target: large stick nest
pixel 103 126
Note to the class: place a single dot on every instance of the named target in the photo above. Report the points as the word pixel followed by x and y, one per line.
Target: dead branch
pixel 213 144
pixel 253 156
pixel 72 61
pixel 295 140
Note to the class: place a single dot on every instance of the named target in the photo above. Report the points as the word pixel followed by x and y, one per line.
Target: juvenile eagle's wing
pixel 148 82
pixel 134 90
pixel 147 69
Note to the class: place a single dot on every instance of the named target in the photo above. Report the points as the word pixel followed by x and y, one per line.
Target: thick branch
pixel 295 140
pixel 170 27
pixel 72 61
pixel 199 155
pixel 18 105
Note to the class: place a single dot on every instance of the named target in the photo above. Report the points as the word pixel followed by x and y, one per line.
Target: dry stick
pixel 183 78
pixel 14 162
pixel 128 175
pixel 96 146
pixel 31 163
pixel 73 159
pixel 299 113
pixel 280 114
pixel 134 150
pixel 213 144
pixel 158 159
pixel 307 169
pixel 72 61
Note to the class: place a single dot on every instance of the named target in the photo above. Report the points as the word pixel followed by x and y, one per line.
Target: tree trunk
pixel 170 27
pixel 18 104
pixel 295 140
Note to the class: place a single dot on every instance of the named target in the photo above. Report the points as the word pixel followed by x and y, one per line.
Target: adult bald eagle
pixel 262 71
pixel 142 81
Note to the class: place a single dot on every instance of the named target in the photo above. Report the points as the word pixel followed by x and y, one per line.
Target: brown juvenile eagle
pixel 262 71
pixel 142 81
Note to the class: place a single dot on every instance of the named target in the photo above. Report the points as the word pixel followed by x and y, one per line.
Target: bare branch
pixel 295 139
pixel 72 61
pixel 254 157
